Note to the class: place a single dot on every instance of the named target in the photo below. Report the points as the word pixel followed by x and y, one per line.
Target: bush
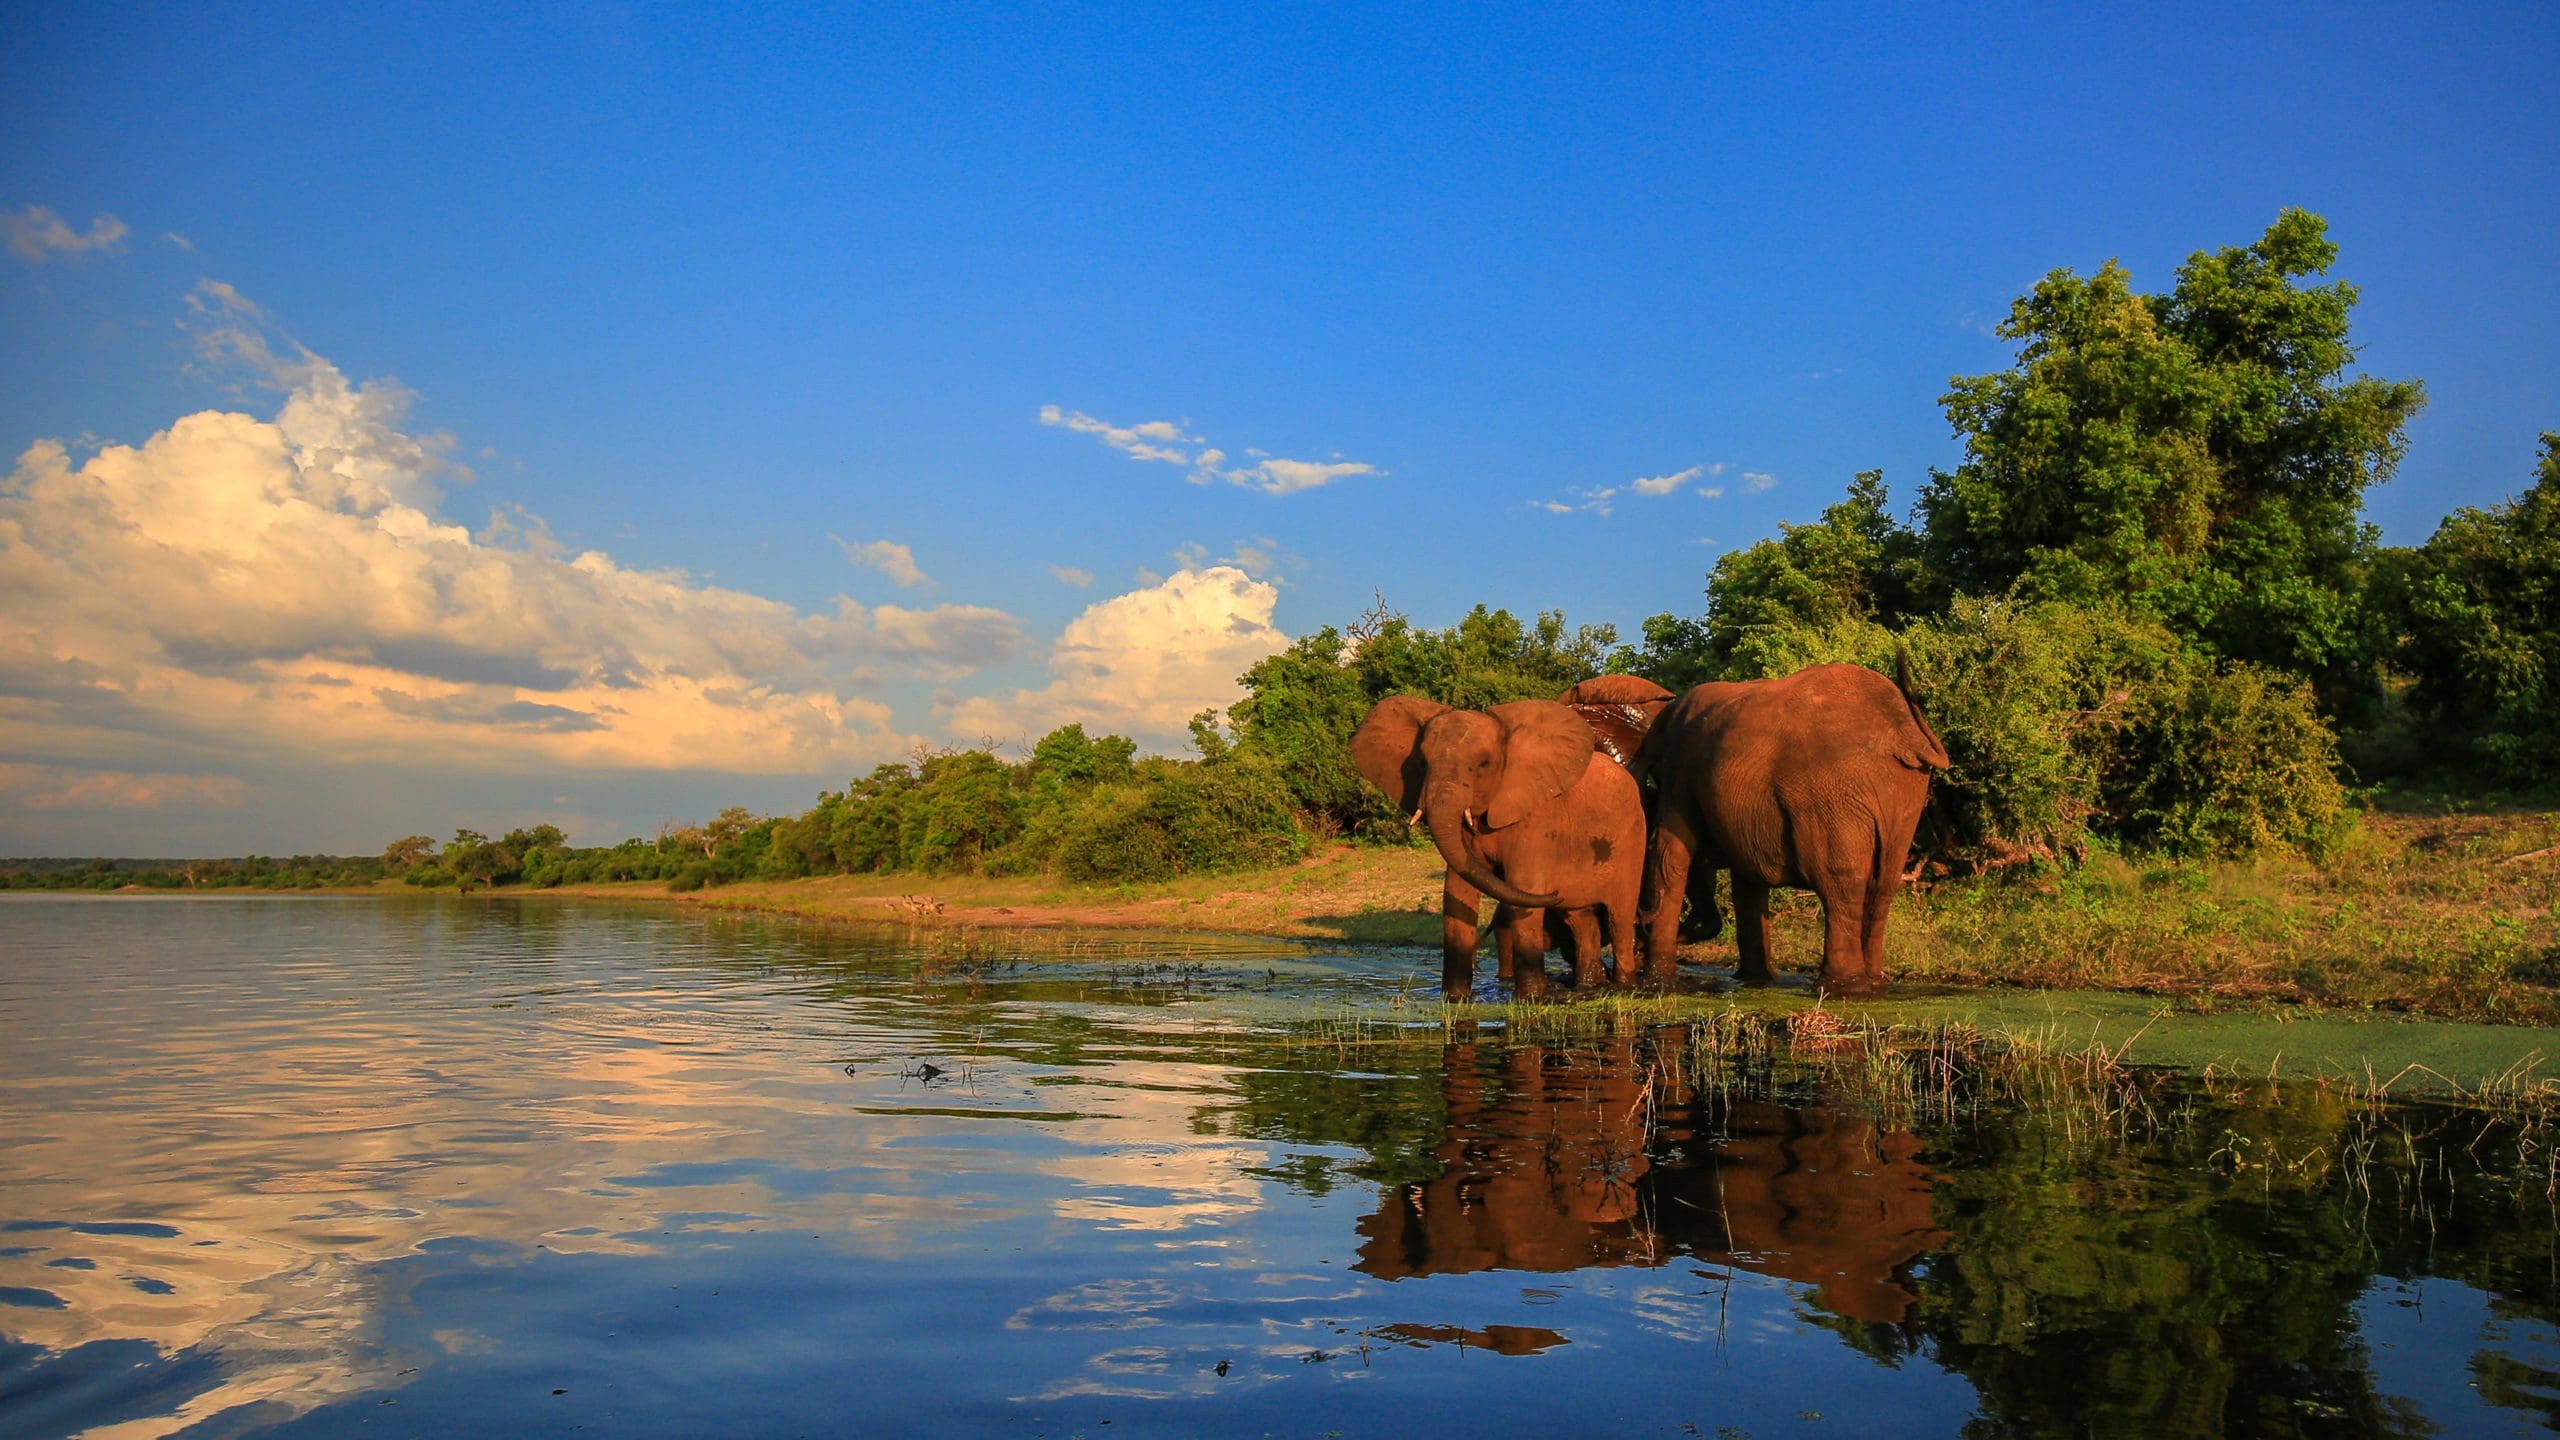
pixel 693 876
pixel 2066 722
pixel 1196 819
pixel 2232 759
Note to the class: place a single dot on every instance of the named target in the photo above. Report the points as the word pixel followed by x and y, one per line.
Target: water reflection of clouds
pixel 1130 1176
pixel 314 1112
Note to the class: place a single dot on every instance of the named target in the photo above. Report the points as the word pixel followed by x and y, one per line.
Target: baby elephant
pixel 1524 808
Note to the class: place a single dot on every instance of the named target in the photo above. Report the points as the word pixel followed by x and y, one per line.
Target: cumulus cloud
pixel 36 235
pixel 291 587
pixel 886 556
pixel 1665 484
pixel 1161 441
pixel 1142 664
pixel 1071 575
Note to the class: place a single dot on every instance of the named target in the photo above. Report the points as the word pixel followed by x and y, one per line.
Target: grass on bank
pixel 2441 911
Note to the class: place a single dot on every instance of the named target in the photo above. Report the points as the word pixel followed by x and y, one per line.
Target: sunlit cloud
pixel 1074 576
pixel 36 234
pixel 1143 663
pixel 1163 442
pixel 886 556
pixel 1665 484
pixel 292 588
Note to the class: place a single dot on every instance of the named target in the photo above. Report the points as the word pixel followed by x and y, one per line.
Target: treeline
pixel 247 872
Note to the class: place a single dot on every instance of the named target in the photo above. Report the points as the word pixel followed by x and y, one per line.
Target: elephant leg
pixel 1703 921
pixel 1521 941
pixel 1506 924
pixel 1892 851
pixel 1585 927
pixel 1751 930
pixel 1458 913
pixel 1666 882
pixel 1844 944
pixel 1621 922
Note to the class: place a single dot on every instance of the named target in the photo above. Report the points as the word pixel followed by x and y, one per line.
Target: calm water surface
pixel 439 1167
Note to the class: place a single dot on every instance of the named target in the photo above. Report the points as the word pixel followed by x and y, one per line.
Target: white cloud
pixel 291 588
pixel 1756 481
pixel 886 556
pixel 1156 440
pixel 1142 664
pixel 36 234
pixel 1281 477
pixel 1602 501
pixel 1072 575
pixel 1710 492
pixel 1665 484
pixel 1149 441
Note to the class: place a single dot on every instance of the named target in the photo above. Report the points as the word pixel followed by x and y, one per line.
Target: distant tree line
pixel 2144 610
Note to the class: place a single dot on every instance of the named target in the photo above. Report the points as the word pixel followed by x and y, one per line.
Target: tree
pixel 2479 610
pixel 726 828
pixel 472 857
pixel 2201 455
pixel 408 851
pixel 1855 563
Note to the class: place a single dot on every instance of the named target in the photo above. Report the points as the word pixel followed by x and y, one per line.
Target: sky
pixel 440 416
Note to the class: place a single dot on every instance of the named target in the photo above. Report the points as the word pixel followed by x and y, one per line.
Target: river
pixel 460 1167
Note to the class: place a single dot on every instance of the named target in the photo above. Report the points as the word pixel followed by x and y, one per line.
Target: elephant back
pixel 1620 709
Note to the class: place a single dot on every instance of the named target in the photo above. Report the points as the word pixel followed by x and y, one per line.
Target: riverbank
pixel 2448 912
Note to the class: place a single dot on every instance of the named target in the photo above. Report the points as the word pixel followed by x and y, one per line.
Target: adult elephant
pixel 1619 709
pixel 1814 781
pixel 1523 807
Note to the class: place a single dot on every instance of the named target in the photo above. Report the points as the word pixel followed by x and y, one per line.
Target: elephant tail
pixel 1923 750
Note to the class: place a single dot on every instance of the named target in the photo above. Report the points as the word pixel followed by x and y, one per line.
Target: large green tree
pixel 2201 455
pixel 2480 617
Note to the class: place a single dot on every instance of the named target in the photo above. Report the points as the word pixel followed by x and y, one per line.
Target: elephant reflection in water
pixel 1548 1166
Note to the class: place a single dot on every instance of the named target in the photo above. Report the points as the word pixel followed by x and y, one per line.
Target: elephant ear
pixel 1546 747
pixel 1387 747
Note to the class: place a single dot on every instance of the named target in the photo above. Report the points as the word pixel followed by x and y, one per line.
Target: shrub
pixel 2066 722
pixel 693 876
pixel 1196 819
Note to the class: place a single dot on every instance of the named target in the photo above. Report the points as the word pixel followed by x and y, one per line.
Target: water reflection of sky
pixel 316 1166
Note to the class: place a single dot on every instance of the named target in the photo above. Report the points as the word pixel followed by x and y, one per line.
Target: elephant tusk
pixel 1415 818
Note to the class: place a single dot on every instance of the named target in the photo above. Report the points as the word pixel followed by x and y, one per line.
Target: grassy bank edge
pixel 2448 913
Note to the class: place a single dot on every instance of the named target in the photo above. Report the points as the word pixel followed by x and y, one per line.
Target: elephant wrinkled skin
pixel 1523 807
pixel 1814 781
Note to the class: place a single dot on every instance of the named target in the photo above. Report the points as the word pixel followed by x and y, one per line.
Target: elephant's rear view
pixel 1814 781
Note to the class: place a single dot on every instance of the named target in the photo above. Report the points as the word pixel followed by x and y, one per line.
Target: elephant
pixel 1619 709
pixel 1815 781
pixel 1523 807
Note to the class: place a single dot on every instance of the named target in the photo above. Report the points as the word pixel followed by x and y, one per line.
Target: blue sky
pixel 761 298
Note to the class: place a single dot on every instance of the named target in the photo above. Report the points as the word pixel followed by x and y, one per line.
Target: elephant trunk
pixel 1446 818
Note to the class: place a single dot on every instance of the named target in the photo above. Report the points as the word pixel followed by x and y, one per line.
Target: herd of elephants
pixel 1612 807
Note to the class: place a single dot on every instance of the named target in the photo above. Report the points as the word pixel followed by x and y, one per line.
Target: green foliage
pixel 2068 724
pixel 1301 705
pixel 2199 455
pixel 2478 608
pixel 1195 819
pixel 1854 564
